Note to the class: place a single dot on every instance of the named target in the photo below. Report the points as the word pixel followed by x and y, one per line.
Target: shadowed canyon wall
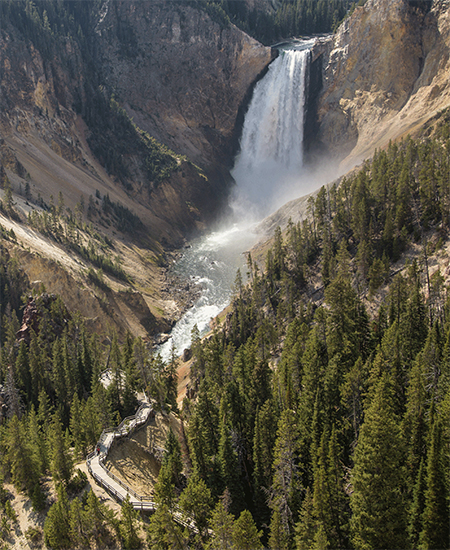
pixel 180 76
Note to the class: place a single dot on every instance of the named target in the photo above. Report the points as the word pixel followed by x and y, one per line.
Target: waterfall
pixel 268 166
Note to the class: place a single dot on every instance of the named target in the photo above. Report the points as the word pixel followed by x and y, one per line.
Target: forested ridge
pixel 361 402
pixel 290 18
pixel 310 423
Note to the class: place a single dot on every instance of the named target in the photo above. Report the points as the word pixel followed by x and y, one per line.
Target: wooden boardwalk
pixel 115 486
pixel 95 461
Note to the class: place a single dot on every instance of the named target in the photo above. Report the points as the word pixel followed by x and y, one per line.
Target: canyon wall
pixel 181 77
pixel 178 75
pixel 384 73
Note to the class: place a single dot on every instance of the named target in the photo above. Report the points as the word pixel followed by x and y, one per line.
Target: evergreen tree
pixel 286 485
pixel 98 519
pixel 196 502
pixel 263 444
pixel 57 522
pixel 61 461
pixel 230 470
pixel 36 439
pixel 76 426
pixel 221 524
pixel 77 521
pixel 435 525
pixel 163 533
pixel 414 421
pixel 128 526
pixel 328 497
pixel 21 458
pixel 417 507
pixel 378 499
pixel 306 527
pixel 245 533
pixel 169 478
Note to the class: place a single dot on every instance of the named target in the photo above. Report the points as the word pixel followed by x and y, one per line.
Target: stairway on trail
pixel 95 460
pixel 114 485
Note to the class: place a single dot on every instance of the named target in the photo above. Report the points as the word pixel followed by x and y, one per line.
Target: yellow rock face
pixel 384 72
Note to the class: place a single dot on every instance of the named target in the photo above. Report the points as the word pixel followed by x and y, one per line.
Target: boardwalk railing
pixel 139 502
pixel 107 437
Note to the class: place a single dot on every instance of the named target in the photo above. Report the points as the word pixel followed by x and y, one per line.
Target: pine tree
pixel 196 502
pixel 115 389
pixel 306 526
pixel 20 456
pixel 328 497
pixel 98 519
pixel 57 522
pixel 417 506
pixel 221 525
pixel 435 532
pixel 61 461
pixel 169 477
pixel 36 369
pixel 128 526
pixel 163 533
pixel 245 533
pixel 263 444
pixel 36 441
pixel 22 372
pixel 378 500
pixel 230 470
pixel 414 421
pixel 77 522
pixel 285 491
pixel 203 437
pixel 76 426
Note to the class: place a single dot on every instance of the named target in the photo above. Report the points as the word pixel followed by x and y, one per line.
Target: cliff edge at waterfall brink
pixel 384 73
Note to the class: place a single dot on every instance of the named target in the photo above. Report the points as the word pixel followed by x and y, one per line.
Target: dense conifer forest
pixel 319 408
pixel 311 423
pixel 291 18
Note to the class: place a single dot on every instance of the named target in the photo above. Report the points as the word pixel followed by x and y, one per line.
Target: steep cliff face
pixel 385 72
pixel 181 76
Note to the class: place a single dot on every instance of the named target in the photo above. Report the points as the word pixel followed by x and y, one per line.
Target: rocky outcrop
pixel 37 308
pixel 384 73
pixel 181 75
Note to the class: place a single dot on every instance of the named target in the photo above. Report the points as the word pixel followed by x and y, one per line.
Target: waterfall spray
pixel 271 146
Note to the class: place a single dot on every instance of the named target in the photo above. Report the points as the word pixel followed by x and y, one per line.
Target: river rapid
pixel 211 263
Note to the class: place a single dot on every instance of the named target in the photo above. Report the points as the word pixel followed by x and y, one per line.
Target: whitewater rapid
pixel 211 263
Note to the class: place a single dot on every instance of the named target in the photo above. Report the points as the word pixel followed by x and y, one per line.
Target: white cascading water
pixel 267 169
pixel 270 161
